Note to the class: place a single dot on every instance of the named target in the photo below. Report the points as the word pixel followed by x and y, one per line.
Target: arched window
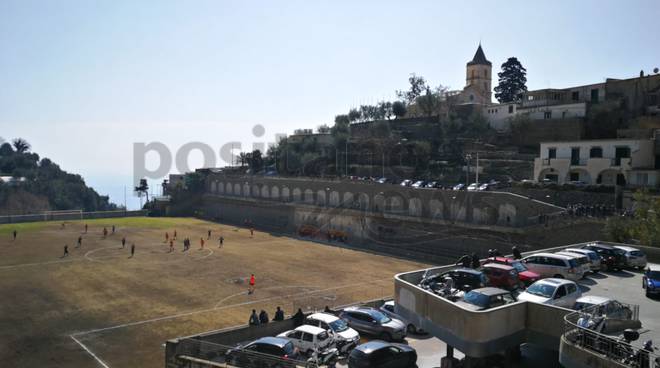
pixel 596 152
pixel 486 73
pixel 472 74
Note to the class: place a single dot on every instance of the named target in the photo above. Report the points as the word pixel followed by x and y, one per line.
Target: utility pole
pixel 383 161
pixel 477 172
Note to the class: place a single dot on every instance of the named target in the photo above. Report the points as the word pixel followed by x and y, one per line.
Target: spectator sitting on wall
pixel 298 318
pixel 254 318
pixel 279 314
pixel 516 253
pixel 475 261
pixel 328 310
pixel 263 317
pixel 465 261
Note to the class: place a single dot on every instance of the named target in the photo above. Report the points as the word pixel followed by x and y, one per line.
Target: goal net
pixel 63 215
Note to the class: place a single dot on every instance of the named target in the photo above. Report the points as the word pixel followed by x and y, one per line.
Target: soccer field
pixel 99 306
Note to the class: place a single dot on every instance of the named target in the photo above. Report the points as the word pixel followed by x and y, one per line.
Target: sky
pixel 82 81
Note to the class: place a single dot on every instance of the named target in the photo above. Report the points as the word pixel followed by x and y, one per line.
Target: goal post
pixel 63 215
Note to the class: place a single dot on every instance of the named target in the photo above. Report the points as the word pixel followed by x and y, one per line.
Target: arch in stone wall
pixel 221 187
pixel 255 191
pixel 320 197
pixel 237 189
pixel 246 190
pixel 363 201
pixel 275 192
pixel 265 192
pixel 334 198
pixel 309 196
pixel 286 194
pixel 213 187
pixel 435 209
pixel 379 203
pixel 229 188
pixel 415 207
pixel 347 200
pixel 297 195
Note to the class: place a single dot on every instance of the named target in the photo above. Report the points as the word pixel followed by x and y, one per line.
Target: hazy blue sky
pixel 83 80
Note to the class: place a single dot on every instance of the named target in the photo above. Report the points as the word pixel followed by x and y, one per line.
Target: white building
pixel 632 162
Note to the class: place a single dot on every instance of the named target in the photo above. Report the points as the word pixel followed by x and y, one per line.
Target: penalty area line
pixel 99 360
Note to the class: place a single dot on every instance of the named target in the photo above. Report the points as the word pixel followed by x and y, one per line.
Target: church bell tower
pixel 479 74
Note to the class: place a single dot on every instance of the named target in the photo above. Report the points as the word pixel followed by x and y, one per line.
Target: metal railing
pixel 581 328
pixel 222 355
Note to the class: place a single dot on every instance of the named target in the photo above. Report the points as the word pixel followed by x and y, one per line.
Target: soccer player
pixel 132 250
pixel 15 233
pixel 171 245
pixel 85 228
pixel 79 242
pixel 123 242
pixel 209 236
pixel 113 229
pixel 174 234
pixel 167 236
pixel 201 242
pixel 66 250
pixel 252 284
pixel 222 240
pixel 105 232
pixel 251 232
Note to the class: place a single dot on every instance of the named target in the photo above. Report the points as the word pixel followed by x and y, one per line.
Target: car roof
pixel 626 248
pixel 313 330
pixel 324 317
pixel 277 341
pixel 498 265
pixel 570 255
pixel 555 281
pixel 600 245
pixel 371 346
pixel 466 270
pixel 578 250
pixel 654 267
pixel 593 299
pixel 502 259
pixel 490 291
pixel 542 254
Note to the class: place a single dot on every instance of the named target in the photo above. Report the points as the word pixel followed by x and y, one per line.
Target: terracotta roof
pixel 479 58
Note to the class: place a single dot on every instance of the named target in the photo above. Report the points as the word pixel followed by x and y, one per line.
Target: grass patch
pixel 136 222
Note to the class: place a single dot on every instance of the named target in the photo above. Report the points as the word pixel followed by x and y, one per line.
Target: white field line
pixel 101 362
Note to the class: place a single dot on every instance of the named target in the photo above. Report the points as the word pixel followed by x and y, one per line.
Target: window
pixel 561 291
pixel 642 178
pixel 575 156
pixel 296 335
pixel 510 109
pixel 472 74
pixel 547 115
pixel 575 96
pixel 308 337
pixel 594 95
pixel 471 97
pixel 552 153
pixel 485 73
pixel 571 288
pixel 575 176
pixel 596 152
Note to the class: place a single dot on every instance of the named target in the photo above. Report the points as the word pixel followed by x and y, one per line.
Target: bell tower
pixel 479 74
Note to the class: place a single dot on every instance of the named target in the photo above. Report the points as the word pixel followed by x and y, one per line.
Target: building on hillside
pixel 478 81
pixel 321 142
pixel 11 180
pixel 626 162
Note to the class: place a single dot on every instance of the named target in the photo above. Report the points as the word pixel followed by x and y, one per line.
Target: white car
pixel 308 339
pixel 473 187
pixel 345 337
pixel 582 260
pixel 390 309
pixel 594 258
pixel 607 306
pixel 554 265
pixel 634 257
pixel 558 292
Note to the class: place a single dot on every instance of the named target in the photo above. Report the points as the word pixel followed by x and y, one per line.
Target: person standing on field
pixel 222 240
pixel 201 243
pixel 209 236
pixel 251 232
pixel 85 228
pixel 132 250
pixel 174 234
pixel 171 245
pixel 167 236
pixel 252 284
pixel 113 229
pixel 66 250
pixel 105 232
pixel 15 233
pixel 123 242
pixel 79 242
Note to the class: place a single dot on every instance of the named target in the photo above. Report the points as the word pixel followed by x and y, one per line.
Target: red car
pixel 525 275
pixel 501 276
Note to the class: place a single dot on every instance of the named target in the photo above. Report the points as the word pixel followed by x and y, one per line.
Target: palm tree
pixel 21 145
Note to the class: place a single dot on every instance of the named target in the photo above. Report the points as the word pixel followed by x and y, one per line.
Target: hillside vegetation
pixel 45 185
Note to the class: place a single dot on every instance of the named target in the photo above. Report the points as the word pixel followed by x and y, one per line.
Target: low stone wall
pixel 70 216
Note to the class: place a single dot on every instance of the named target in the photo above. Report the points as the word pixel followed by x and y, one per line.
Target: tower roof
pixel 479 58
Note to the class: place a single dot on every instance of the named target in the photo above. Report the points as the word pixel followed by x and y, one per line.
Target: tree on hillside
pixel 512 81
pixel 385 110
pixel 21 145
pixel 399 109
pixel 6 149
pixel 417 87
pixel 354 115
pixel 323 129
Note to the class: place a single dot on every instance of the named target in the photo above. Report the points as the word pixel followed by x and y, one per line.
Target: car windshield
pixel 593 256
pixel 338 325
pixel 542 289
pixel 288 348
pixel 655 275
pixel 380 317
pixel 476 298
pixel 519 266
pixel 636 253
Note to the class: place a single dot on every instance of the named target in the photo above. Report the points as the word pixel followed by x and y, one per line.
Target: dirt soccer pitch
pixel 99 307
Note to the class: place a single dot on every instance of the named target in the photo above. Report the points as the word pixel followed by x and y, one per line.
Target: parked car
pixel 651 280
pixel 382 181
pixel 345 337
pixel 419 184
pixel 594 258
pixel 389 309
pixel 554 265
pixel 372 321
pixel 466 279
pixel 459 186
pixel 432 184
pixel 252 354
pixel 406 183
pixel 611 258
pixel 501 276
pixel 484 187
pixel 307 339
pixel 524 274
pixel 381 354
pixel 582 260
pixel 608 307
pixel 486 298
pixel 634 258
pixel 553 291
pixel 473 187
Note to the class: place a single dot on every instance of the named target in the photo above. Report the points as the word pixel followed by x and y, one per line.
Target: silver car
pixel 594 258
pixel 374 322
pixel 634 257
pixel 390 309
